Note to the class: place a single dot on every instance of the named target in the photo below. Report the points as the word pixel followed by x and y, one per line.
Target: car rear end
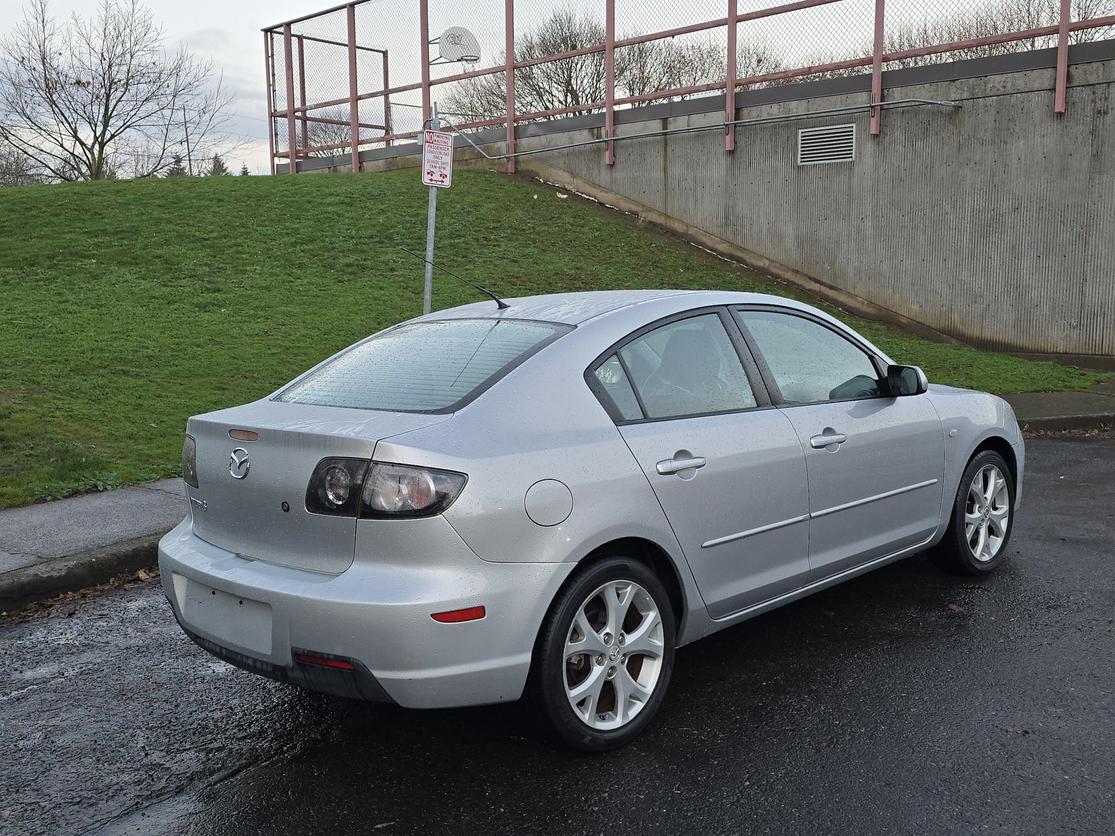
pixel 308 559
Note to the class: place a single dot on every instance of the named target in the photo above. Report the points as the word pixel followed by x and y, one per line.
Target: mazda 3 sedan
pixel 552 497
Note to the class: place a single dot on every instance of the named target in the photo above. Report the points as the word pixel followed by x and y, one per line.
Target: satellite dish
pixel 458 44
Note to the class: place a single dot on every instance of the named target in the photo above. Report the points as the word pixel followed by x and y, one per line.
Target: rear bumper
pixel 357 684
pixel 258 615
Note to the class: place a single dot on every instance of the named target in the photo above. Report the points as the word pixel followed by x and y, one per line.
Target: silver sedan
pixel 553 497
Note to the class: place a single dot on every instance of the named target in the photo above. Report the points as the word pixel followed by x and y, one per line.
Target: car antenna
pixel 499 302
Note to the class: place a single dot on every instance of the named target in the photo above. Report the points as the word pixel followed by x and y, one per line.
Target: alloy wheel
pixel 987 513
pixel 613 655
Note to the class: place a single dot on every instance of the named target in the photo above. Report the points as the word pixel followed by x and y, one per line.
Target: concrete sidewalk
pixel 1055 411
pixel 57 547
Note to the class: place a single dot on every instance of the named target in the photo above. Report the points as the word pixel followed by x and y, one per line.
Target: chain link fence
pixel 375 69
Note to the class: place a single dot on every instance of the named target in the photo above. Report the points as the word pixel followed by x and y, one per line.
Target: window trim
pixel 763 399
pixel 768 376
pixel 559 330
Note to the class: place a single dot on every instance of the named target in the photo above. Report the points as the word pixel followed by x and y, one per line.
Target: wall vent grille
pixel 830 144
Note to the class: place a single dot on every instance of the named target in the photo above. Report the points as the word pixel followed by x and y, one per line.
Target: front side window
pixel 687 367
pixel 809 362
pixel 423 366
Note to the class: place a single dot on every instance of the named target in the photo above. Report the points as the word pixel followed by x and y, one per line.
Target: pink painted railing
pixel 298 112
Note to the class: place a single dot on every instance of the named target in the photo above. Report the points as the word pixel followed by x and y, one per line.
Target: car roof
pixel 575 308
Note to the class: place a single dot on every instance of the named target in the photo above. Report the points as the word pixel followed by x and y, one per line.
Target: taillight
pixel 189 461
pixel 335 487
pixel 354 487
pixel 398 490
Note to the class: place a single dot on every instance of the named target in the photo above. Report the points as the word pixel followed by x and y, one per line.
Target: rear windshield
pixel 425 366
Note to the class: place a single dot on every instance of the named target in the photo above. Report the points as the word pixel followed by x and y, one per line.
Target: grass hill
pixel 126 307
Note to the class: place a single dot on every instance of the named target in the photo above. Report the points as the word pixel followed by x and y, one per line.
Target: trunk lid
pixel 245 515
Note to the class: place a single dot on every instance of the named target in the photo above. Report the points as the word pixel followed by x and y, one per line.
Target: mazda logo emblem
pixel 238 463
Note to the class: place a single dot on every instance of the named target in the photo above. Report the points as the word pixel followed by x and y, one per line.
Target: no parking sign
pixel 437 159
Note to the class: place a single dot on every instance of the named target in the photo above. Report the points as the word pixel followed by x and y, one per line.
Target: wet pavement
pixel 906 701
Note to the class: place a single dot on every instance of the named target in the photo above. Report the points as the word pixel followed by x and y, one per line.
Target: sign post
pixel 437 173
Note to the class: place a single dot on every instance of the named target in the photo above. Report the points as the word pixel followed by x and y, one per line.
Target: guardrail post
pixel 877 70
pixel 292 135
pixel 424 31
pixel 353 101
pixel 269 72
pixel 302 91
pixel 609 80
pixel 509 78
pixel 388 129
pixel 1060 96
pixel 730 81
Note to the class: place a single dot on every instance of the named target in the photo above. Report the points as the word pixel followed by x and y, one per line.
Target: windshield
pixel 424 366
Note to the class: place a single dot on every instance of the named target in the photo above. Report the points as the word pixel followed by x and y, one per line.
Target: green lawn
pixel 126 307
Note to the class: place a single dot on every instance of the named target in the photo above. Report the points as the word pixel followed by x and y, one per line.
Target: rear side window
pixel 687 367
pixel 613 380
pixel 424 366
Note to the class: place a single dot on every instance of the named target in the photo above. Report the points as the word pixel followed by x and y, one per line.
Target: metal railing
pixel 356 49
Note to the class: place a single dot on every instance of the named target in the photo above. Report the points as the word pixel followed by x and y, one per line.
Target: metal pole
pixel 189 154
pixel 509 77
pixel 302 92
pixel 1060 96
pixel 424 31
pixel 730 83
pixel 877 71
pixel 609 80
pixel 292 136
pixel 387 129
pixel 431 221
pixel 353 102
pixel 269 71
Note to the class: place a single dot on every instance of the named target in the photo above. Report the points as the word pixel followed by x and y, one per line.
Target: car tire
pixel 982 518
pixel 599 699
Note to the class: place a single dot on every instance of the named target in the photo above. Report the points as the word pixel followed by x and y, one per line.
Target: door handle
pixel 827 438
pixel 669 466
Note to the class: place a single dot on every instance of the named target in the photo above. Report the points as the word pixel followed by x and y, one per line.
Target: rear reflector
pixel 243 435
pixel 457 616
pixel 324 662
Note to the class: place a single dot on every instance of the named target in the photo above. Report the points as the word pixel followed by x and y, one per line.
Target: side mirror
pixel 906 380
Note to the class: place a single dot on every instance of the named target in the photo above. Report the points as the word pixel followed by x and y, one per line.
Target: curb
pixel 1067 423
pixel 77 571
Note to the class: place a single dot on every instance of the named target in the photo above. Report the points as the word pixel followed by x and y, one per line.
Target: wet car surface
pixel 905 700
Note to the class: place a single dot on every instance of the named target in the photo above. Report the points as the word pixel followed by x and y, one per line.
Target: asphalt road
pixel 903 701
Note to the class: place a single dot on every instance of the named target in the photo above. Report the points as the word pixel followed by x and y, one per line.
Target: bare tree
pixel 570 82
pixel 644 68
pixel 983 20
pixel 575 83
pixel 668 65
pixel 16 168
pixel 335 132
pixel 994 18
pixel 104 96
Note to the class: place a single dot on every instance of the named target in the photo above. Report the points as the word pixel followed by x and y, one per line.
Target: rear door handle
pixel 669 466
pixel 827 438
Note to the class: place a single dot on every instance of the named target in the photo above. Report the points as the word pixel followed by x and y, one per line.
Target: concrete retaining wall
pixel 993 222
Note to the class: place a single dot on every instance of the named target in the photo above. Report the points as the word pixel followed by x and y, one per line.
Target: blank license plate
pixel 240 622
